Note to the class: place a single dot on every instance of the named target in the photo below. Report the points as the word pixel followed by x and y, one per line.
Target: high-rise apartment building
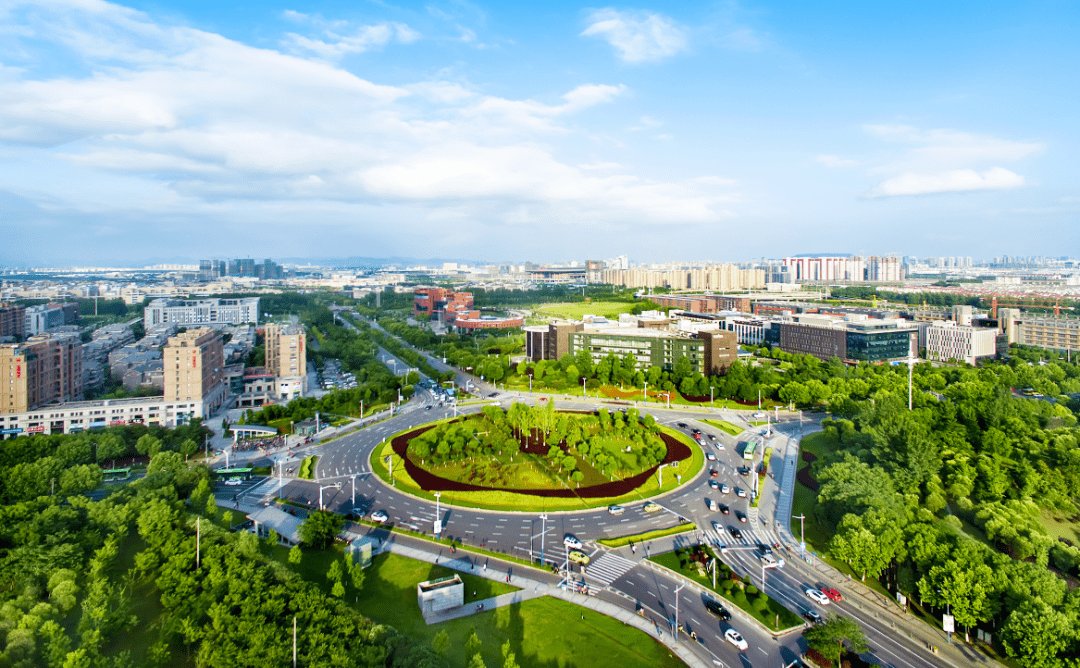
pixel 45 369
pixel 286 358
pixel 194 369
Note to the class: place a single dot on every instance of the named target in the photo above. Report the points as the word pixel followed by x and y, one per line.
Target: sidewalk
pixel 533 585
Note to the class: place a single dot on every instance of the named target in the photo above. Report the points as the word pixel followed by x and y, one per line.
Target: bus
pixel 240 472
pixel 112 475
pixel 748 453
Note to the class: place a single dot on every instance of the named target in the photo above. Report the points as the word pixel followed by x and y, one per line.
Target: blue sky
pixel 539 131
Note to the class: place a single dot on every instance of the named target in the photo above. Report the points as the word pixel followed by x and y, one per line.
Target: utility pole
pixel 543 534
pixel 438 515
pixel 294 641
pixel 910 378
pixel 198 538
pixel 352 503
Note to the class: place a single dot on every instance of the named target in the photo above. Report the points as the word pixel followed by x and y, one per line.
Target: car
pixel 741 516
pixel 817 596
pixel 717 609
pixel 714 472
pixel 765 549
pixel 379 516
pixel 711 504
pixel 710 456
pixel 813 617
pixel 616 510
pixel 832 593
pixel 578 556
pixel 725 488
pixel 711 437
pixel 733 637
pixel 714 484
pixel 740 492
pixel 695 431
pixel 570 540
pixel 682 425
pixel 724 509
pixel 735 532
pixel 231 482
pixel 744 470
pixel 759 416
pixel 650 507
pixel 717 528
pixel 429 407
pixel 493 394
pixel 720 446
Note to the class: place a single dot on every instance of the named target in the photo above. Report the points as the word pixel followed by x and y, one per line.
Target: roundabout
pixel 528 458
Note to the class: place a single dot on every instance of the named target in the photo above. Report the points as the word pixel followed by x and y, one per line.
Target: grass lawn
pixel 648 535
pixel 725 426
pixel 736 596
pixel 501 500
pixel 1060 526
pixel 577 310
pixel 537 629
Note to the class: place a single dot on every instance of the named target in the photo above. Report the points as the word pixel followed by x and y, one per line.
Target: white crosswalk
pixel 608 568
pixel 749 537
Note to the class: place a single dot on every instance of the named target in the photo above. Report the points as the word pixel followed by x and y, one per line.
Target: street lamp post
pixel 677 611
pixel 711 397
pixel 438 515
pixel 543 534
pixel 583 389
pixel 336 485
pixel 802 532
pixel 646 393
pixel 352 501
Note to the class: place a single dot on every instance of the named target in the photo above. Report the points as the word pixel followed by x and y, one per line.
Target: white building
pixel 205 312
pixel 947 340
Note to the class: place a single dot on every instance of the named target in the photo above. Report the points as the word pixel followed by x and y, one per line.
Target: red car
pixel 714 472
pixel 832 594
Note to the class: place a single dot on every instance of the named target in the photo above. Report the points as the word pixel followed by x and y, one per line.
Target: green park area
pixel 539 448
pixel 691 564
pixel 535 629
pixel 725 426
pixel 577 310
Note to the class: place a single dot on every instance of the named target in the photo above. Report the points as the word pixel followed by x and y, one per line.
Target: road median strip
pixel 648 535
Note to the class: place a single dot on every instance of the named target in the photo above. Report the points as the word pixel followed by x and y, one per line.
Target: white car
pixel 234 481
pixel 725 489
pixel 711 457
pixel 717 528
pixel 740 492
pixel 733 637
pixel 817 597
pixel 616 510
pixel 759 416
pixel 570 540
pixel 379 516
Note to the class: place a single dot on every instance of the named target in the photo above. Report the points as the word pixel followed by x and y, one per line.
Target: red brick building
pixel 438 302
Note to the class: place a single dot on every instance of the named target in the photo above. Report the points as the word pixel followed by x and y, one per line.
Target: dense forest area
pixel 116 583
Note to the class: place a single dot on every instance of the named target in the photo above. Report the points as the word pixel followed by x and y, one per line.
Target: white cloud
pixel 957 180
pixel 194 125
pixel 645 123
pixel 337 38
pixel 637 37
pixel 946 160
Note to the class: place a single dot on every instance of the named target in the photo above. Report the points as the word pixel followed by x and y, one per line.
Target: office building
pixel 947 340
pixel 1053 332
pixel 437 302
pixel 46 369
pixel 201 312
pixel 863 340
pixel 844 269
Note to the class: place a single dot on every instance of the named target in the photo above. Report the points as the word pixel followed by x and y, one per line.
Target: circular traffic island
pixel 537 458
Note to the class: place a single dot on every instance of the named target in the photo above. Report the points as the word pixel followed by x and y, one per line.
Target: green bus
pixel 748 453
pixel 112 475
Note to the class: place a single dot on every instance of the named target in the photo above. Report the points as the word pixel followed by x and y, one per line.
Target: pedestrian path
pixel 608 568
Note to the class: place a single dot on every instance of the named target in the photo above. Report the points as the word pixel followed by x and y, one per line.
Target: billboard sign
pixel 948 623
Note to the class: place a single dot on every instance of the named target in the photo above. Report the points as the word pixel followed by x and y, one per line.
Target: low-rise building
pixel 947 340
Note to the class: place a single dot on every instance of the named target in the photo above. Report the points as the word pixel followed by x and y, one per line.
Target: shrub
pixel 751 590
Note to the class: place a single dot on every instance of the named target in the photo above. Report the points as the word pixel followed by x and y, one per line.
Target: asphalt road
pixel 344 462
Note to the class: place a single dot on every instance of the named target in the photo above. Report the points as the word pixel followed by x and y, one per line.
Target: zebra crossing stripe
pixel 608 568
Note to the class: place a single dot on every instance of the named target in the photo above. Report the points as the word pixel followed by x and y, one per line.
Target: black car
pixel 735 533
pixel 744 470
pixel 810 615
pixel 717 609
pixel 765 549
pixel 695 431
pixel 682 425
pixel 724 509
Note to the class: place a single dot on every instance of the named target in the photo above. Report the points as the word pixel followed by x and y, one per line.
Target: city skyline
pixel 500 131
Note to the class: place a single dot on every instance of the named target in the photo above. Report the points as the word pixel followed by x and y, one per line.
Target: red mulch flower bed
pixel 676 452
